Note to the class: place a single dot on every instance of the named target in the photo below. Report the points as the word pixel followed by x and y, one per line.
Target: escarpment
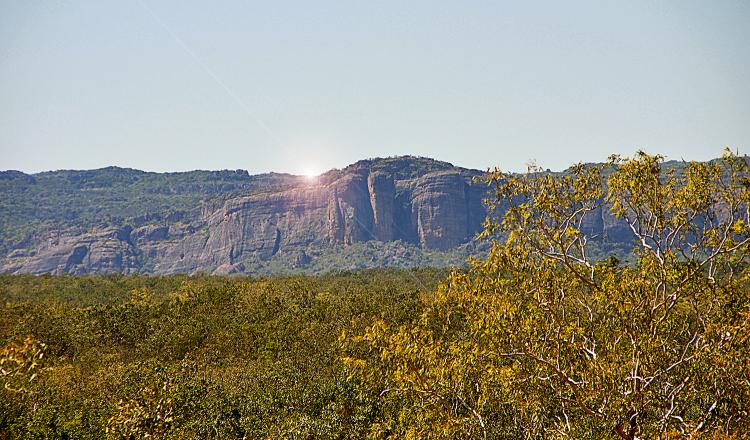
pixel 398 208
pixel 382 202
pixel 355 208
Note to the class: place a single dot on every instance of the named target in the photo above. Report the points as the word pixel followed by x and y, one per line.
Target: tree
pixel 539 340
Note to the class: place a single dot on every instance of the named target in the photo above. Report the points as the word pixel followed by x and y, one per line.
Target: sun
pixel 310 173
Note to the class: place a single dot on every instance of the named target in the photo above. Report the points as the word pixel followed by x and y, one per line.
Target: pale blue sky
pixel 168 85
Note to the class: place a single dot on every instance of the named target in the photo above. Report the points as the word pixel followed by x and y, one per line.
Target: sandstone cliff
pixel 435 208
pixel 427 205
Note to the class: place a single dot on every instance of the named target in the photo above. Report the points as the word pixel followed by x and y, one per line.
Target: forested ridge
pixel 544 337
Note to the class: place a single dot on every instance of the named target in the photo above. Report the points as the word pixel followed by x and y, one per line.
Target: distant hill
pixel 399 211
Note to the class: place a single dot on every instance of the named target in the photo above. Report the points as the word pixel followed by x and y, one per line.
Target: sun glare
pixel 310 173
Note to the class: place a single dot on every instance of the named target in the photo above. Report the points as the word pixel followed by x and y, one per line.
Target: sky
pixel 302 87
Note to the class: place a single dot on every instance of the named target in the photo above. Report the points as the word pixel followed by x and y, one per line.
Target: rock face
pixel 355 208
pixel 438 210
pixel 382 202
pixel 102 251
pixel 428 204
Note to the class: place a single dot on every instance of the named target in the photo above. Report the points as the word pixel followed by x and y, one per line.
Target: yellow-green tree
pixel 20 363
pixel 538 340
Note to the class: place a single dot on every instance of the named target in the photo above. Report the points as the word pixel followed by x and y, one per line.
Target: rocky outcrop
pixel 439 210
pixel 382 203
pixel 436 209
pixel 101 251
pixel 229 269
pixel 150 233
pixel 355 208
pixel 350 212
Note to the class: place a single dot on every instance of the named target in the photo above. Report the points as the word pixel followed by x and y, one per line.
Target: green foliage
pixel 190 357
pixel 19 365
pixel 539 340
pixel 400 167
pixel 369 255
